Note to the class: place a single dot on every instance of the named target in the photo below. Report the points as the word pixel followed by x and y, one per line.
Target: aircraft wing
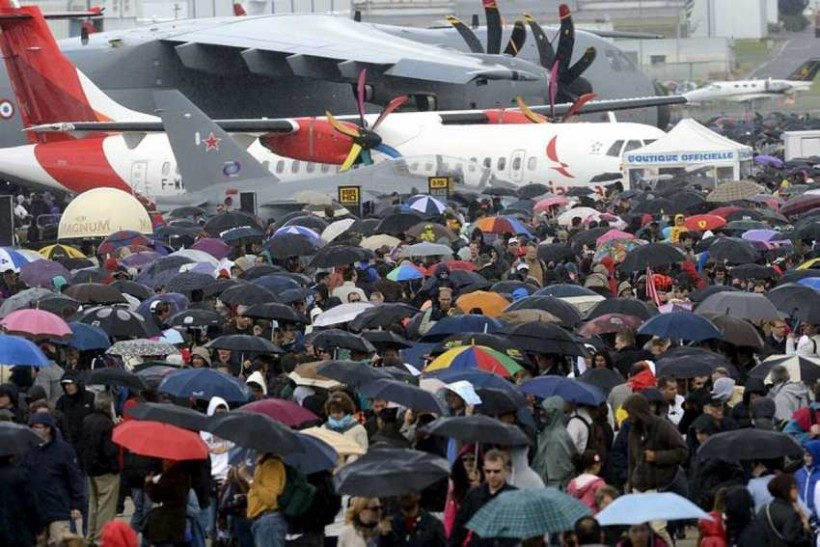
pixel 326 48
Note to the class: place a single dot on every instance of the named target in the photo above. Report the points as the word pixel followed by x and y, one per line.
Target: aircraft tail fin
pixel 47 86
pixel 806 72
pixel 206 155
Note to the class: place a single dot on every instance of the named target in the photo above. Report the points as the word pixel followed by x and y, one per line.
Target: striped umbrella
pixel 480 357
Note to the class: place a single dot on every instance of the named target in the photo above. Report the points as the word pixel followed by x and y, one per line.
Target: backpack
pixel 297 497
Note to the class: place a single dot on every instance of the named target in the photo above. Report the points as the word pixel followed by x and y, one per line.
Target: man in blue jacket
pixel 56 479
pixel 808 475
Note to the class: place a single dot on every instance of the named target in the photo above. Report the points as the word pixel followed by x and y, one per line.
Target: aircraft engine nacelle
pixel 315 141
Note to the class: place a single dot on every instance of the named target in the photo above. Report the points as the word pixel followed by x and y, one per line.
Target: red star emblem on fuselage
pixel 212 142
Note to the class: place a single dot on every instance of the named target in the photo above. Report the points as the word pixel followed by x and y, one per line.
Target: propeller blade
pixel 546 53
pixel 553 87
pixel 360 95
pixel 391 106
pixel 576 106
pixel 351 158
pixel 467 34
pixel 566 40
pixel 366 158
pixel 493 27
pixel 578 68
pixel 388 150
pixel 527 111
pixel 517 39
pixel 340 127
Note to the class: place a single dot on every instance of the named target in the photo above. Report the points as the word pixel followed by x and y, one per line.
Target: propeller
pixel 494 32
pixel 365 138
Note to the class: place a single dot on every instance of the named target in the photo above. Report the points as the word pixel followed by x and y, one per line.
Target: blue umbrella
pixel 317 456
pixel 769 160
pixel 204 383
pixel 11 259
pixel 276 283
pixel 569 390
pixel 298 230
pixel 813 282
pixel 86 337
pixel 19 351
pixel 177 301
pixel 680 325
pixel 640 508
pixel 565 290
pixel 404 394
pixel 415 355
pixel 426 205
pixel 459 324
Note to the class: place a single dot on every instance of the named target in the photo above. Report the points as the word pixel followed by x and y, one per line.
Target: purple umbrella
pixel 139 260
pixel 760 235
pixel 40 273
pixel 177 301
pixel 213 246
pixel 769 160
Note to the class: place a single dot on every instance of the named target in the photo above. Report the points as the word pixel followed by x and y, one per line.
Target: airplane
pixel 799 81
pixel 288 65
pixel 140 160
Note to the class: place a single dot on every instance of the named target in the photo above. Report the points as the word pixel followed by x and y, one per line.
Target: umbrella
pixel 339 255
pixel 335 338
pixel 297 230
pixel 495 402
pixel 287 412
pixel 42 272
pixel 800 204
pixel 603 378
pixel 543 338
pixel 62 306
pixel 552 201
pixel 498 342
pixel 753 271
pixel 426 205
pixel 203 383
pixel 89 275
pixel 119 322
pixel 60 251
pixel 386 472
pixel 565 290
pixel 242 235
pixel 640 508
pixel 18 351
pixel 479 379
pixel 801 368
pixel 225 221
pixel 477 429
pixel 769 160
pixel 737 330
pixel 426 249
pixel 479 357
pixel 501 225
pixel 35 323
pixel 351 373
pixel 86 337
pixel 466 281
pixel 651 255
pixel 751 306
pixel 175 300
pixel 734 191
pixel 407 395
pixel 688 362
pixel 306 219
pixel 340 314
pixel 704 222
pixel 154 372
pixel 732 251
pixel 159 440
pixel 702 294
pixel 378 241
pixel 491 304
pixel 246 294
pixel 142 348
pixel 213 246
pixel 344 446
pixel 179 416
pixel 529 316
pixel 382 339
pixel 382 316
pixel 797 301
pixel 617 249
pixel 196 318
pixel 609 323
pixel 335 229
pixel 256 431
pixel 23 299
pixel 532 190
pixel 750 444
pixel 555 252
pixel 187 282
pixel 137 290
pixel 570 390
pixel 523 514
pixel 11 259
pixel 566 312
pixel 288 245
pixel 95 293
pixel 276 312
pixel 244 343
pixel 761 235
pixel 680 325
pixel 624 306
pixel 17 439
pixel 613 234
pixel 405 272
pixel 122 238
pixel 428 231
pixel 115 377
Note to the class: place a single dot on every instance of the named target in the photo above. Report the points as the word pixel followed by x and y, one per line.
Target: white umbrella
pixel 197 256
pixel 337 228
pixel 565 218
pixel 583 303
pixel 426 249
pixel 340 314
pixel 640 508
pixel 379 240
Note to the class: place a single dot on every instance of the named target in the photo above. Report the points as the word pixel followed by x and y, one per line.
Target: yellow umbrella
pixel 809 264
pixel 344 446
pixel 61 251
pixel 491 304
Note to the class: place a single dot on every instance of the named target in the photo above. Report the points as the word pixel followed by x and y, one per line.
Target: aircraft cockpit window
pixel 502 163
pixel 294 167
pixel 632 145
pixel 648 142
pixel 516 164
pixel 613 58
pixel 532 163
pixel 615 149
pixel 310 167
pixel 280 166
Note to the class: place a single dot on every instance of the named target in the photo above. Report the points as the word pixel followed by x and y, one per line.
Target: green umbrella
pixel 522 514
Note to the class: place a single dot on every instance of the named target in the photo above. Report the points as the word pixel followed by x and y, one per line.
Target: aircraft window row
pixel 516 164
pixel 502 163
pixel 532 163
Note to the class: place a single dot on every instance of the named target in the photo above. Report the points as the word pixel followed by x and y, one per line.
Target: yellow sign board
pixel 441 187
pixel 350 195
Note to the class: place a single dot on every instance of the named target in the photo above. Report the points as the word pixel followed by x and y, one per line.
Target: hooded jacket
pixel 49 379
pixel 523 476
pixel 74 409
pixel 218 448
pixel 807 476
pixel 789 397
pixel 584 487
pixel 553 457
pixel 650 432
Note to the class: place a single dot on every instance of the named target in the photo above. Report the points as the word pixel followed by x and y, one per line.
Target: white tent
pixel 689 146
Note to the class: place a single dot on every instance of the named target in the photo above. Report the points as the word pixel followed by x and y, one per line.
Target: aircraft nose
pixel 20 164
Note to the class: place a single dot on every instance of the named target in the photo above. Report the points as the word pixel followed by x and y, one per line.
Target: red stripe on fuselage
pixel 79 165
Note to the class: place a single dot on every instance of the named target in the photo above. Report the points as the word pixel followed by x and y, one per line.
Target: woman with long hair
pixel 364 523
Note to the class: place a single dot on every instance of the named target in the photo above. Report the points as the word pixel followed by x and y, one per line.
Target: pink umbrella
pixel 213 246
pixel 546 203
pixel 613 234
pixel 36 323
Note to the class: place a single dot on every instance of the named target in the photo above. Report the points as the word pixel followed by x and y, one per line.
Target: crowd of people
pixel 586 346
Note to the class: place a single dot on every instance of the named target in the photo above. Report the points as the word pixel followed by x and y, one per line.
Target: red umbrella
pixel 455 265
pixel 159 440
pixel 704 222
pixel 609 323
pixel 287 412
pixel 801 204
pixel 36 323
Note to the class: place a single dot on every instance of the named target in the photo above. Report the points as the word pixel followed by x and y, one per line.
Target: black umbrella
pixel 702 294
pixel 277 312
pixel 555 252
pixel 137 290
pixel 58 304
pixel 737 331
pixel 656 206
pixel 287 245
pixel 246 294
pixel 732 251
pixel 810 230
pixel 154 372
pixel 402 393
pixel 793 276
pixel 244 343
pixel 119 322
pixel 196 318
pixel 340 255
pixel 495 402
pixel 508 286
pixel 566 312
pixel 306 220
pixel 255 431
pixel 88 275
pixel 186 418
pixel 688 362
pixel 797 301
pixel 543 338
pixel 95 293
pixel 242 235
pixel 260 270
pixel 17 439
pixel 588 237
pixel 532 190
pixel 115 377
pixel 187 282
pixel 187 211
pixel 382 339
pixel 386 472
pixel 753 271
pixel 466 281
pixel 336 338
pixel 383 316
pixel 579 191
pixel 603 378
pixel 225 221
pixel 477 429
pixel 750 444
pixel 351 373
pixel 625 306
pixel 651 255
pixel 397 224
